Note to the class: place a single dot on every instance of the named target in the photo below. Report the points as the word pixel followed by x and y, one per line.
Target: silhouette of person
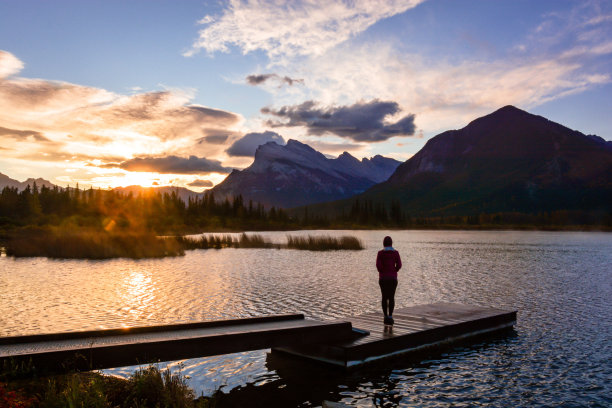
pixel 388 262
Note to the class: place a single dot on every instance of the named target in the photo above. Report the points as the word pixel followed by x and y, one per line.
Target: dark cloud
pixel 361 122
pixel 201 183
pixel 247 145
pixel 175 165
pixel 258 79
pixel 22 134
pixel 213 139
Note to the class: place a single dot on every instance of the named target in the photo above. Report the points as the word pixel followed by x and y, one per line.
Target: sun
pixel 143 179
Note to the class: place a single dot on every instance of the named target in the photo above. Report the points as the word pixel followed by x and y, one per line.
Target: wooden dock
pixel 417 328
pixel 346 343
pixel 98 349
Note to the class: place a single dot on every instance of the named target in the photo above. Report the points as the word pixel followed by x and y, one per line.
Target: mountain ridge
pixel 296 174
pixel 509 160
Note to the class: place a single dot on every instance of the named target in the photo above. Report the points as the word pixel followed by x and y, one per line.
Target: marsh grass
pixel 90 244
pixel 308 243
pixel 324 243
pixel 225 241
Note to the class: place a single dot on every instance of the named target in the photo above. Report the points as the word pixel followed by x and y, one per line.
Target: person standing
pixel 388 263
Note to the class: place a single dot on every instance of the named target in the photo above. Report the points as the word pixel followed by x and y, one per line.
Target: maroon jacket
pixel 388 262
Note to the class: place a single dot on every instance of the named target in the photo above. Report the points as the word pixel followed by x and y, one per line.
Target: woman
pixel 388 262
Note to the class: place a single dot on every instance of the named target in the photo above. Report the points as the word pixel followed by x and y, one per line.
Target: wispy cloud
pixel 22 134
pixel 361 122
pixel 443 93
pixel 287 29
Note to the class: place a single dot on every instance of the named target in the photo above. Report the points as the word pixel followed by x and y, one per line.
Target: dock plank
pixel 415 328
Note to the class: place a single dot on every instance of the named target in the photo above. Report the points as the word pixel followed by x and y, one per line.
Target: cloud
pixel 287 28
pixel 201 183
pixel 214 139
pixel 566 52
pixel 174 165
pixel 258 79
pixel 22 134
pixel 9 64
pixel 361 122
pixel 330 148
pixel 247 145
pixel 48 120
pixel 444 93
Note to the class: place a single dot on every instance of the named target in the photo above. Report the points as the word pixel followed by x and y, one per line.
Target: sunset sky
pixel 113 93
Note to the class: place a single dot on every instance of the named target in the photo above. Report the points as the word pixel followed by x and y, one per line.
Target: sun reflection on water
pixel 137 294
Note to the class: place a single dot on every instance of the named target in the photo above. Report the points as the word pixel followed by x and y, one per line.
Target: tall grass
pixel 309 243
pixel 226 241
pixel 324 243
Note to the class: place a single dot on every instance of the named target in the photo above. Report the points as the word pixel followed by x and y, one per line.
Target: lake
pixel 560 282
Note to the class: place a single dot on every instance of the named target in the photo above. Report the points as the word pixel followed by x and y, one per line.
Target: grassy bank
pixel 89 244
pixel 148 387
pixel 101 244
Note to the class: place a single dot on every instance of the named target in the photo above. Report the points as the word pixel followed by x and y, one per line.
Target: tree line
pixel 156 211
pixel 164 212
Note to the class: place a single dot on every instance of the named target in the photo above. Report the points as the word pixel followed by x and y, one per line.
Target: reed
pixel 225 241
pixel 324 243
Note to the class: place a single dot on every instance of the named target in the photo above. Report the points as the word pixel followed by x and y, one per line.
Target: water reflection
pixel 137 293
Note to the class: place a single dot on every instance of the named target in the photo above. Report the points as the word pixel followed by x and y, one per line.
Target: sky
pixel 154 92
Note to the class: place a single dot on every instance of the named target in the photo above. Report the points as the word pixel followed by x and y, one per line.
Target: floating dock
pixel 416 329
pixel 347 343
pixel 88 350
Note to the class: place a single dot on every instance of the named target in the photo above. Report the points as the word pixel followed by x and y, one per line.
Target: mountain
pixel 6 181
pixel 182 192
pixel 509 160
pixel 296 174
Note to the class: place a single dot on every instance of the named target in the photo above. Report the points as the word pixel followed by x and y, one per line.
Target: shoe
pixel 390 321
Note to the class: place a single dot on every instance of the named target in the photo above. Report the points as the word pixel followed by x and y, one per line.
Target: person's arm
pixel 378 262
pixel 398 262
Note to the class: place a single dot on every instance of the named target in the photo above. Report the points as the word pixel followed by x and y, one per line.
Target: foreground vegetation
pixel 148 387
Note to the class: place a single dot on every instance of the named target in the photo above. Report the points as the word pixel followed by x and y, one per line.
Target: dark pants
pixel 387 288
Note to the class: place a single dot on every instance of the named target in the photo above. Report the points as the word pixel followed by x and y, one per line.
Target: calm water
pixel 560 282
